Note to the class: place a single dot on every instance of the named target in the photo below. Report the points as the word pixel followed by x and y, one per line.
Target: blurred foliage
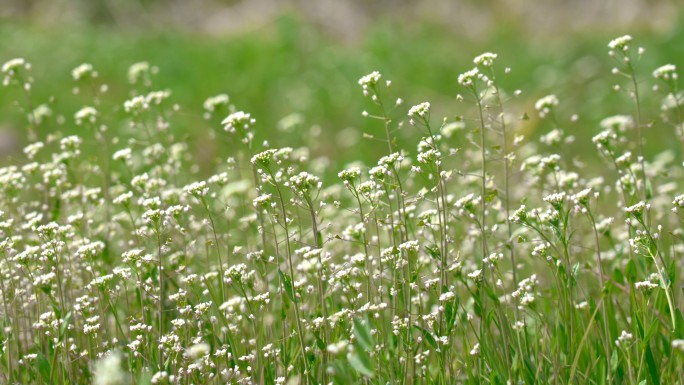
pixel 291 66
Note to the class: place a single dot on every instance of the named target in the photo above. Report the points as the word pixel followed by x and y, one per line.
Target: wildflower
pixel 238 273
pixel 667 72
pixel 215 102
pixel 621 43
pixel 40 113
pixel 197 189
pixel 520 215
pixel 263 158
pixel 637 210
pixel 108 371
pixel 419 111
pixel 485 60
pixel 556 200
pixel 493 259
pixel 240 122
pixel 349 175
pixel 447 296
pixel 678 345
pixel 646 286
pixel 85 114
pixel 159 377
pixel 136 105
pixel 430 156
pixel 140 70
pixel 305 182
pixel 11 70
pixel 123 154
pixel 546 104
pixel 83 71
pixel 621 123
pixel 582 197
pixel 13 65
pixel 467 79
pixel 476 275
pixel 525 292
pixel 32 149
pixel 624 339
pixel 369 81
pixel 157 97
pixel 197 351
pixel 468 203
pixel 262 200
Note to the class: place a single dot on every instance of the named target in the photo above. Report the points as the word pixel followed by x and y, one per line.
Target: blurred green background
pixel 297 63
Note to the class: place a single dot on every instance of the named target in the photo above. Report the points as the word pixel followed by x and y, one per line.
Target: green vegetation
pixel 257 210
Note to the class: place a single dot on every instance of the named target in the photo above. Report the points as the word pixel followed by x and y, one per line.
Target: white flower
pixel 421 111
pixel 32 149
pixel 546 104
pixel 621 43
pixel 448 296
pixel 371 79
pixel 678 345
pixel 467 79
pixel 624 339
pixel 212 103
pixel 617 122
pixel 13 64
pixel 108 371
pixel 197 351
pixel 646 286
pixel 485 60
pixel 198 189
pixel 88 114
pixel 138 70
pixel 475 275
pixel 666 72
pixel 637 209
pixel 11 69
pixel 83 71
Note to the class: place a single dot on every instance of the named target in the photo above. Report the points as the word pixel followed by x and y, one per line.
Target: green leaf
pixel 65 325
pixel 652 366
pixel 631 271
pixel 428 336
pixel 490 195
pixel 320 343
pixel 43 366
pixel 361 363
pixel 362 334
pixel 145 378
pixel 433 251
pixel 614 361
pixel 287 282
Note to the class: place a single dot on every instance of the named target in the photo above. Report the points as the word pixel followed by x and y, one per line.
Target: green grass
pixel 152 245
pixel 290 67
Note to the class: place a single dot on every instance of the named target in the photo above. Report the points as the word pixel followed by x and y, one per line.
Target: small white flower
pixel 620 43
pixel 485 60
pixel 83 71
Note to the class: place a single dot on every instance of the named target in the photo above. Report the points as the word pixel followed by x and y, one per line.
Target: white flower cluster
pixel 369 81
pixel 546 104
pixel 666 72
pixel 83 71
pixel 620 43
pixel 11 69
pixel 485 60
pixel 215 102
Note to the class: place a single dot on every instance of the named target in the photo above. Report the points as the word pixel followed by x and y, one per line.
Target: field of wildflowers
pixel 475 256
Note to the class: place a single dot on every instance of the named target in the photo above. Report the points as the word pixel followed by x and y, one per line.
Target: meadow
pixel 286 214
